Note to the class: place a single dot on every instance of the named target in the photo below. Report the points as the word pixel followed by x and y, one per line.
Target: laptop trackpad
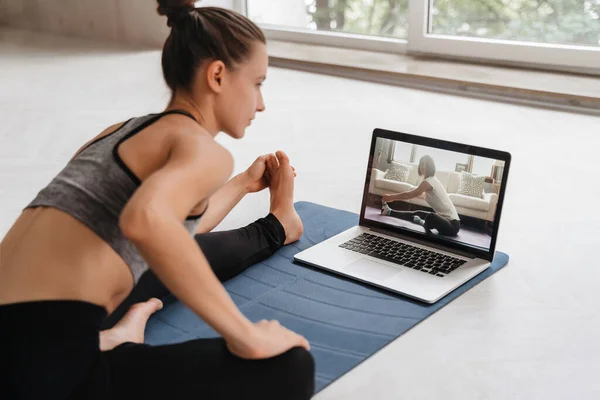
pixel 371 270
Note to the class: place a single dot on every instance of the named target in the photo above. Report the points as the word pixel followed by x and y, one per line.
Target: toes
pixel 147 308
pixel 282 157
pixel 156 304
pixel 272 162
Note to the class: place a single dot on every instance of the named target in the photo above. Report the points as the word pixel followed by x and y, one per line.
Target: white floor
pixel 529 332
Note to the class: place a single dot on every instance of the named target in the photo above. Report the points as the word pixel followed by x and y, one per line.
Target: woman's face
pixel 241 97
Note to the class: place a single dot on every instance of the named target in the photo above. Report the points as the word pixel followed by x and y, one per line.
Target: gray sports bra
pixel 95 186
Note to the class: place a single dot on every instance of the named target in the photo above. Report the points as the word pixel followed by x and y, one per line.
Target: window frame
pixel 547 56
pixel 328 38
pixel 555 56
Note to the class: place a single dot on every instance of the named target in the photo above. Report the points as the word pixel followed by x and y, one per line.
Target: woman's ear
pixel 214 75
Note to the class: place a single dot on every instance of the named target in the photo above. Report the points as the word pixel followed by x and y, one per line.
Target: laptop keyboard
pixel 400 253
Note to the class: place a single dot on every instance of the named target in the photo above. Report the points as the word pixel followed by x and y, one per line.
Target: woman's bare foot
pixel 282 196
pixel 131 327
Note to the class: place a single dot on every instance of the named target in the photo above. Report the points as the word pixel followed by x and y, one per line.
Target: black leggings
pixel 227 252
pixel 444 226
pixel 50 349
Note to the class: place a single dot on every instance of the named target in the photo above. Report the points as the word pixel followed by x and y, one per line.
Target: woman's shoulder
pixel 203 150
pixel 105 132
pixel 204 143
pixel 432 182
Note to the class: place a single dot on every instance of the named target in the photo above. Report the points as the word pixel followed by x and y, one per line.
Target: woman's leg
pixel 231 252
pixel 205 369
pixel 443 225
pixel 409 215
pixel 404 215
pixel 427 220
pixel 228 253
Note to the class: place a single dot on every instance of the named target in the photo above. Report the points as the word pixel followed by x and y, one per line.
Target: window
pixel 482 166
pixel 574 22
pixel 385 18
pixel 561 34
pixel 402 151
pixel 444 160
pixel 558 33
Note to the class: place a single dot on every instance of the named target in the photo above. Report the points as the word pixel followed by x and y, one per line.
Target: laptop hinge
pixel 424 243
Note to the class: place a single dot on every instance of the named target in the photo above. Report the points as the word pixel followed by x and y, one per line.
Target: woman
pixel 445 218
pixel 134 197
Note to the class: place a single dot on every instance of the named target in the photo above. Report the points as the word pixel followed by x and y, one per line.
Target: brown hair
pixel 201 34
pixel 429 164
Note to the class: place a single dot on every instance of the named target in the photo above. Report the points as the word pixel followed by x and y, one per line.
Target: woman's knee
pixel 297 368
pixel 431 222
pixel 455 231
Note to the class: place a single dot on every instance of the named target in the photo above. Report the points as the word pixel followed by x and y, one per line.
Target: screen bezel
pixel 443 145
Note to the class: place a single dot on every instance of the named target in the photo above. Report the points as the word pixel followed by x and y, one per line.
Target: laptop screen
pixel 439 191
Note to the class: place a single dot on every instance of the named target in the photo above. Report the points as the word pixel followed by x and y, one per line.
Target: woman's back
pixel 439 200
pixel 75 253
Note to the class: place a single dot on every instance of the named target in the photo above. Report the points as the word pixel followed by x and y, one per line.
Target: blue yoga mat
pixel 345 321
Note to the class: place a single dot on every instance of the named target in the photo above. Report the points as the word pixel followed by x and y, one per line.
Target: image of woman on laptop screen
pixel 434 191
pixel 444 217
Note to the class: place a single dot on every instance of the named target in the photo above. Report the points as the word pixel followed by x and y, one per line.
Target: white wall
pixel 218 3
pixel 126 21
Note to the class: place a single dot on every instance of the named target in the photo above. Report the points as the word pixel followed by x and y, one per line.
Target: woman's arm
pixel 152 221
pixel 222 202
pixel 422 188
pixel 252 180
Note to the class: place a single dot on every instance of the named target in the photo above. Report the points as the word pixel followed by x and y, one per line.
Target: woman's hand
pixel 268 339
pixel 257 175
pixel 388 198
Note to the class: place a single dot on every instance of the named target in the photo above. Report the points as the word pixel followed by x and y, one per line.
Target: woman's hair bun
pixel 173 9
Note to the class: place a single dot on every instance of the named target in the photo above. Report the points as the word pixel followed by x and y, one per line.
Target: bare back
pixel 48 254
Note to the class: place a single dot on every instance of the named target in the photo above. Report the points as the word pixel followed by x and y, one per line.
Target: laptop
pixel 393 250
